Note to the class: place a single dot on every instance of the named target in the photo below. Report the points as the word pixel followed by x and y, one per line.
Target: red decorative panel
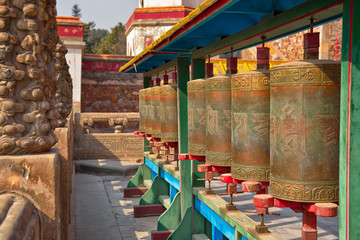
pixel 70 31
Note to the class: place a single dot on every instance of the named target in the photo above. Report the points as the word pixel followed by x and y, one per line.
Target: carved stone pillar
pixel 29 101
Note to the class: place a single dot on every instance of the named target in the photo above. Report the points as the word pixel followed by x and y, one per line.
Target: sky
pixel 105 13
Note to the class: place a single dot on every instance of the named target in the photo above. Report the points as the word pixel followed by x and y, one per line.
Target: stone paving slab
pixel 103 213
pixel 106 167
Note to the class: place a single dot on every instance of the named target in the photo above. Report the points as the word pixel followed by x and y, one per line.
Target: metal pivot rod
pixel 209 176
pixel 158 148
pixel 262 202
pixel 231 189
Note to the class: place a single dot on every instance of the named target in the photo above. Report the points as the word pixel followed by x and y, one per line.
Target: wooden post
pixel 146 85
pixel 185 166
pixel 198 68
pixel 350 124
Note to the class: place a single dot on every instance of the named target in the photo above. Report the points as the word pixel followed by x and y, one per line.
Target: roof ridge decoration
pixel 192 15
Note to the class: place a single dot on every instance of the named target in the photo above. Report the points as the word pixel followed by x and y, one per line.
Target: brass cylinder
pixel 148 122
pixel 218 127
pixel 250 143
pixel 304 131
pixel 155 110
pixel 196 117
pixel 169 126
pixel 142 110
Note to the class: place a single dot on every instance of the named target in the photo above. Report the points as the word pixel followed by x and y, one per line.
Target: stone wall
pixel 117 145
pixel 290 48
pixel 110 91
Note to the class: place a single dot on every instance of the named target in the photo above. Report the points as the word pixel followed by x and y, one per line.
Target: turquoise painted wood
pixel 350 124
pixel 138 179
pixel 216 221
pixel 152 166
pixel 171 218
pixel 170 179
pixel 152 194
pixel 183 231
pixel 216 234
pixel 185 166
pixel 172 193
pixel 198 68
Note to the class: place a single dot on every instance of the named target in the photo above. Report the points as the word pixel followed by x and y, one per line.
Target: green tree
pixel 113 43
pixel 76 11
pixel 93 36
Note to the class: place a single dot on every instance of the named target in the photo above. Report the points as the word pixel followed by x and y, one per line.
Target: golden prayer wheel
pixel 250 144
pixel 148 122
pixel 169 126
pixel 142 110
pixel 218 127
pixel 304 131
pixel 196 117
pixel 155 110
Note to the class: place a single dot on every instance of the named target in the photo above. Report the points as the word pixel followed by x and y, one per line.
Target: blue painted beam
pixel 226 229
pixel 152 166
pixel 170 179
pixel 172 192
pixel 216 233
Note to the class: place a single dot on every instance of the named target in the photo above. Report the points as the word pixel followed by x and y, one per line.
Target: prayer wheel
pixel 142 110
pixel 155 110
pixel 304 131
pixel 169 126
pixel 250 144
pixel 196 117
pixel 218 127
pixel 148 122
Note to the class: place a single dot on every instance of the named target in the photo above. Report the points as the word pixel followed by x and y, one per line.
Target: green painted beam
pixel 197 175
pixel 281 24
pixel 198 68
pixel 167 66
pixel 198 226
pixel 183 231
pixel 349 220
pixel 171 218
pixel 152 195
pixel 183 77
pixel 138 179
pixel 185 166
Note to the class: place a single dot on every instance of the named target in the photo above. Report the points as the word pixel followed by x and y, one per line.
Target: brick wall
pixel 110 91
pixel 290 48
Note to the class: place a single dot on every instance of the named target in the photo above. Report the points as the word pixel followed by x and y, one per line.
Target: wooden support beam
pixel 148 210
pixel 135 191
pixel 161 235
pixel 197 68
pixel 350 124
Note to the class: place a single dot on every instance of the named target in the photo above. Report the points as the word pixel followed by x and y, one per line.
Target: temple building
pixel 152 19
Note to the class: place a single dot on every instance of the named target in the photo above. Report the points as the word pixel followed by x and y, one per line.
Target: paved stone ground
pixel 102 213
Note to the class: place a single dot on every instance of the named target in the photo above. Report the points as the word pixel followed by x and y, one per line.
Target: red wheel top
pixel 204 168
pixel 226 178
pixel 326 209
pixel 249 186
pixel 221 169
pixel 263 200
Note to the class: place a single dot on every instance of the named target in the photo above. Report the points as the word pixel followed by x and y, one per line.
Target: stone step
pixel 106 167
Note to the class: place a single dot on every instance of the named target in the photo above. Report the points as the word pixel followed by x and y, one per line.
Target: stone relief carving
pixel 28 76
pixel 63 94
